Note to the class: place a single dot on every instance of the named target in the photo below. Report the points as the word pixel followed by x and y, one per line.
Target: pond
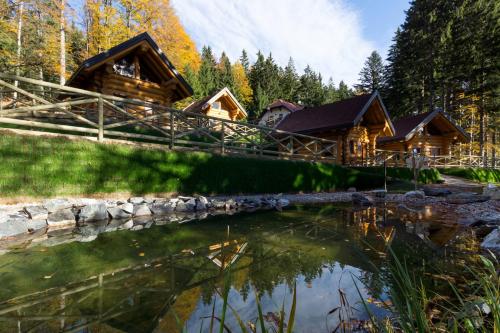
pixel 163 276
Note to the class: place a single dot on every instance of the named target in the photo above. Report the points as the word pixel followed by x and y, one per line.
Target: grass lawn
pixel 42 167
pixel 482 175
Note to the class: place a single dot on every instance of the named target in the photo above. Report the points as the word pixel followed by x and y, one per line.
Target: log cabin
pixel 431 133
pixel 136 69
pixel 277 111
pixel 354 123
pixel 221 104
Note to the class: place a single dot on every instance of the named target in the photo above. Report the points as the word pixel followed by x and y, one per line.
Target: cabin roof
pixel 342 114
pixel 102 57
pixel 285 104
pixel 203 103
pixel 407 127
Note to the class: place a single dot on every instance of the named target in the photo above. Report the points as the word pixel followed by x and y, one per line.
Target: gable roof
pixel 203 103
pixel 342 114
pixel 285 104
pixel 130 43
pixel 407 127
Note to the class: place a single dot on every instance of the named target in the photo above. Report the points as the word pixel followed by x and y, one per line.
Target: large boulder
pixel 12 225
pixel 127 207
pixel 379 193
pixel 118 213
pixel 136 200
pixel 142 210
pixel 414 195
pixel 94 212
pixel 53 205
pixel 37 212
pixel 466 198
pixel 492 241
pixel 180 206
pixel 36 224
pixel 163 208
pixel 361 199
pixel 492 191
pixel 436 191
pixel 61 218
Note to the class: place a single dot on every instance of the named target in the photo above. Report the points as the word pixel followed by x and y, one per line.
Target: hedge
pixel 482 175
pixel 42 166
pixel 426 176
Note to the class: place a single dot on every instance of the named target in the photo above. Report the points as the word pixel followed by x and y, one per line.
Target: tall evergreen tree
pixel 224 73
pixel 207 75
pixel 289 82
pixel 311 92
pixel 245 62
pixel 371 76
pixel 344 91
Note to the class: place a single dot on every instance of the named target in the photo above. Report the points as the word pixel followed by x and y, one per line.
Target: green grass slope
pixel 40 166
pixel 482 175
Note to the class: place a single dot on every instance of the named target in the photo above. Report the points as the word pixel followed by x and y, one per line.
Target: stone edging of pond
pixel 19 222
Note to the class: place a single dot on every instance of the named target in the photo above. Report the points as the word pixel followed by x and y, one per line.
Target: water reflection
pixel 144 281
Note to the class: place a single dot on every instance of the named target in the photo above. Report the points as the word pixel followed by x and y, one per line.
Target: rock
pixel 141 210
pixel 60 218
pixel 218 204
pixel 191 205
pixel 136 200
pixel 200 206
pixel 12 225
pixel 118 213
pixel 127 225
pixel 414 195
pixel 203 200
pixel 351 189
pixel 37 224
pixel 137 227
pixel 492 241
pixel 183 198
pixel 379 193
pixel 491 218
pixel 162 208
pixel 466 198
pixel 360 199
pixel 436 192
pixel 181 206
pixel 492 191
pixel 282 202
pixel 53 205
pixel 94 212
pixel 36 212
pixel 127 207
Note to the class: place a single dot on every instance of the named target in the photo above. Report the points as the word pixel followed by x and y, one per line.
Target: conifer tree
pixel 224 73
pixel 371 76
pixel 245 62
pixel 207 75
pixel 289 82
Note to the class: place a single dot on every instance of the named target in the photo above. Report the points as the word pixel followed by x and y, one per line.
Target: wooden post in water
pixel 100 109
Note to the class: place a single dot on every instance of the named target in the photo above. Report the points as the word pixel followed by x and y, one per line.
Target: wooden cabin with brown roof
pixel 135 69
pixel 355 124
pixel 277 111
pixel 430 133
pixel 221 104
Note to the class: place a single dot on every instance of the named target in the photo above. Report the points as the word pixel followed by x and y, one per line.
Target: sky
pixel 333 36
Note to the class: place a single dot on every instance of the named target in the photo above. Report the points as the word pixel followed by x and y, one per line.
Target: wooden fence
pixel 396 159
pixel 33 104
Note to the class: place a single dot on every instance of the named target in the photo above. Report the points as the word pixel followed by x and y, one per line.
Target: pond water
pixel 157 278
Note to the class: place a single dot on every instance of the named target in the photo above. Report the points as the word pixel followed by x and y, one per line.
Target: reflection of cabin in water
pixel 136 68
pixel 431 133
pixel 221 104
pixel 355 124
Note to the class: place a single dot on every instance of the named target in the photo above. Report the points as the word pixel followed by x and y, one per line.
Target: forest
pixel 445 55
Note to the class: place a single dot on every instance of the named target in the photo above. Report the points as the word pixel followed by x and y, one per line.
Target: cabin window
pixel 216 105
pixel 351 147
pixel 125 66
pixel 435 151
pixel 146 73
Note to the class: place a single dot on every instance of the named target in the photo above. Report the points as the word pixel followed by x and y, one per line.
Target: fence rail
pixel 35 104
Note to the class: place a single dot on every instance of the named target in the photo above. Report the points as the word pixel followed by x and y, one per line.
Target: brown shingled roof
pixel 329 116
pixel 407 125
pixel 199 105
pixel 288 105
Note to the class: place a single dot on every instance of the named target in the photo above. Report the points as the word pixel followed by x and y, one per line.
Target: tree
pixel 331 93
pixel 289 82
pixel 207 75
pixel 224 74
pixel 344 92
pixel 311 91
pixel 245 62
pixel 371 76
pixel 242 88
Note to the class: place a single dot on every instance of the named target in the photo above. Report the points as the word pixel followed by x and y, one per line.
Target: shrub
pixel 482 175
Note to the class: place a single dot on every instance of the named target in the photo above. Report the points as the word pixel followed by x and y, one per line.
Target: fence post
pixel 172 132
pixel 222 138
pixel 100 109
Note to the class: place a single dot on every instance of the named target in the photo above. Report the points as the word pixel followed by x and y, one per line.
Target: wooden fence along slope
pixel 34 104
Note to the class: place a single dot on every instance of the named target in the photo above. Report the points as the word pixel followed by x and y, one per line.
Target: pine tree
pixel 207 74
pixel 331 93
pixel 245 62
pixel 371 76
pixel 311 91
pixel 344 92
pixel 289 82
pixel 224 73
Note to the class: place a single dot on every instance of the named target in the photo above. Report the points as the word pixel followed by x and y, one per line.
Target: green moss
pixel 482 175
pixel 55 166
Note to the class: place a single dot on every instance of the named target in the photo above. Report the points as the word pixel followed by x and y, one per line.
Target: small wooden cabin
pixel 277 111
pixel 221 104
pixel 355 124
pixel 430 133
pixel 136 68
